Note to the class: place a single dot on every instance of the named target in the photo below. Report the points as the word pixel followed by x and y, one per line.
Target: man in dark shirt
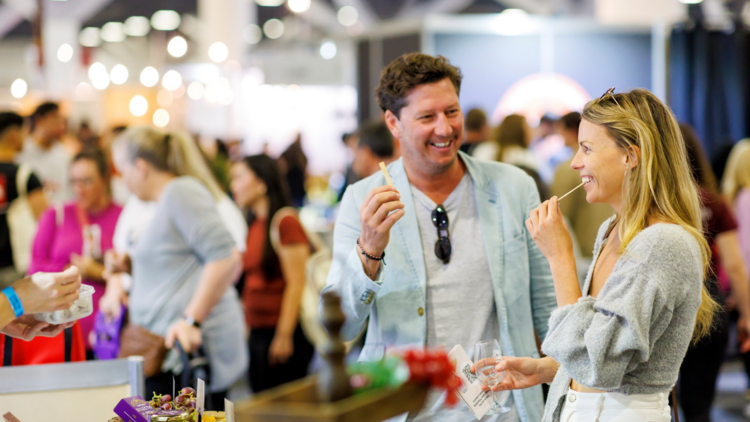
pixel 11 142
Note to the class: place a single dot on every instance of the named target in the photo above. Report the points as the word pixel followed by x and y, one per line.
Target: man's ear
pixel 393 124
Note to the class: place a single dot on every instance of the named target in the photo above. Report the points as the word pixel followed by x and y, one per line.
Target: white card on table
pixel 478 401
pixel 228 410
pixel 200 399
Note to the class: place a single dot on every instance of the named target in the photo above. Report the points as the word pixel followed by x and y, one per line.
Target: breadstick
pixel 385 173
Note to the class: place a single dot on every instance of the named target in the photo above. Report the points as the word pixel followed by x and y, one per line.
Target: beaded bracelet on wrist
pixel 369 257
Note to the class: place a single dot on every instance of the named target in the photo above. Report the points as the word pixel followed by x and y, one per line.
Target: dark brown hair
pixel 267 170
pixel 512 131
pixel 475 120
pixel 97 157
pixel 571 121
pixel 409 71
pixel 699 165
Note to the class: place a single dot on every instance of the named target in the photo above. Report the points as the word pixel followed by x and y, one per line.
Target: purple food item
pixel 134 409
pixel 166 406
pixel 166 398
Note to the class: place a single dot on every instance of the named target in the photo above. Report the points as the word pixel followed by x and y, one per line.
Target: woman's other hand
pixel 27 328
pixel 114 297
pixel 189 336
pixel 281 349
pixel 523 373
pixel 549 231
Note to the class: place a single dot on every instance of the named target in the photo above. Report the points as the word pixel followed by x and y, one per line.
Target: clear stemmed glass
pixel 487 355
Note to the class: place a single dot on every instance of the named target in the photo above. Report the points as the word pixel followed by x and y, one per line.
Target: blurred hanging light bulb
pixel 299 6
pixel 347 15
pixel 196 90
pixel 65 53
pixel 89 37
pixel 328 50
pixel 149 77
pixel 177 47
pixel 138 106
pixel 137 26
pixel 119 74
pixel 18 88
pixel 113 32
pixel 161 117
pixel 273 28
pixel 165 20
pixel 171 80
pixel 99 76
pixel 218 52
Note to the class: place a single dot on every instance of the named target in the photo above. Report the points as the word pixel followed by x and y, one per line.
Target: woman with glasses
pixel 79 233
pixel 615 343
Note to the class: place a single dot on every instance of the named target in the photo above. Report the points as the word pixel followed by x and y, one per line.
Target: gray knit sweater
pixel 632 337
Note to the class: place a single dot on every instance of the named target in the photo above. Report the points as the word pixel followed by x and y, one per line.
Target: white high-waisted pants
pixel 616 407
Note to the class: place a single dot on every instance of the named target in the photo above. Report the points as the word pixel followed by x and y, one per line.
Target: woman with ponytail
pixel 616 342
pixel 185 261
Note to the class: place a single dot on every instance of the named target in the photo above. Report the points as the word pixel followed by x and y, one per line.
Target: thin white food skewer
pixel 571 191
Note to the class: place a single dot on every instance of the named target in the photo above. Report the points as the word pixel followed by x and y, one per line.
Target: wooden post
pixel 333 381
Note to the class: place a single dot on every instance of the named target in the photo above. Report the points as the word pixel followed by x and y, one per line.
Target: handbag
pixel 67 350
pixel 138 341
pixel 107 334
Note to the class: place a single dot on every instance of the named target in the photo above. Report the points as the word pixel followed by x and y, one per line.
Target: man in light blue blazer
pixel 443 257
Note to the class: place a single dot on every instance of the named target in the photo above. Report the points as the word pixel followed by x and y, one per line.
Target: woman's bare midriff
pixel 581 389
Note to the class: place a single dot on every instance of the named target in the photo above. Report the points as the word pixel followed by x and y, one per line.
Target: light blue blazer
pixel 395 302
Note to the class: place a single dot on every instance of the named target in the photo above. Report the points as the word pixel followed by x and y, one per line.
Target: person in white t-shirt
pixel 47 157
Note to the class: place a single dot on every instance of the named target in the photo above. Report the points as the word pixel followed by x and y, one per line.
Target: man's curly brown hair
pixel 409 71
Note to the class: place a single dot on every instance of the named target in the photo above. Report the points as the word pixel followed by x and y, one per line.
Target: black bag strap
pixel 68 343
pixel 8 351
pixel 194 365
pixel 675 406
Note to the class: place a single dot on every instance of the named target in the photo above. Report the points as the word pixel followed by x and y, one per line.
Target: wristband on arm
pixel 15 301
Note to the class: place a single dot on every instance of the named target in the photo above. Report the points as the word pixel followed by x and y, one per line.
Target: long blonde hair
pixel 661 186
pixel 174 152
pixel 737 171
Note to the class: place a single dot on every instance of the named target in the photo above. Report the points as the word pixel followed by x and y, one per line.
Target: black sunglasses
pixel 443 244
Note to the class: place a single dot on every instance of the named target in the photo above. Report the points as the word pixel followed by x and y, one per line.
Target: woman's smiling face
pixel 602 164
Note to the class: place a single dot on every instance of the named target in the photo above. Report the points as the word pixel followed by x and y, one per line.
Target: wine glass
pixel 487 355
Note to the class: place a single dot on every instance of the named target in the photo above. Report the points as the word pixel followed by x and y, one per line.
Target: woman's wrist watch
pixel 191 321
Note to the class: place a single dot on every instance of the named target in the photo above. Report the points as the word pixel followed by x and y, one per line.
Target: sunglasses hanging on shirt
pixel 443 244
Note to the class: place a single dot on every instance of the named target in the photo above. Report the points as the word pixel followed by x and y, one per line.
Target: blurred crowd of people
pixel 205 248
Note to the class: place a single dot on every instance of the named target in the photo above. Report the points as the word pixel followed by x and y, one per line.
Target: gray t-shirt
pixel 186 233
pixel 460 306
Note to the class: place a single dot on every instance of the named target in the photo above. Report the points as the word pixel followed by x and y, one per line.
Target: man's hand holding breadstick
pixel 380 210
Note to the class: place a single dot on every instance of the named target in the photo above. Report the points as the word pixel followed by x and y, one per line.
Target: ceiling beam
pixel 9 19
pixel 418 10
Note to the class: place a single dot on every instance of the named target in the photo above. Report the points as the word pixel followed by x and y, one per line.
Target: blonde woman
pixel 185 262
pixel 616 342
pixel 736 188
